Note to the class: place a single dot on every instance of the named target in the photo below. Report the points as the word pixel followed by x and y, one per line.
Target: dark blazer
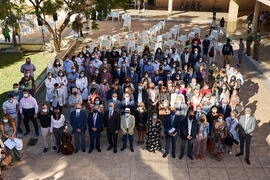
pixel 168 126
pixel 99 121
pixel 78 123
pixel 184 128
pixel 112 124
pixel 144 96
pixel 130 105
pixel 139 120
pixel 193 59
pixel 118 91
pixel 155 81
pixel 134 80
pixel 117 104
pixel 120 77
pixel 227 112
pixel 183 59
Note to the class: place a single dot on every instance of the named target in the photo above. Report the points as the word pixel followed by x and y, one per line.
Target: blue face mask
pixel 16 89
pixel 81 75
pixel 22 87
pixel 96 102
pixel 10 100
pixel 126 114
pixel 219 120
pixel 60 74
pixel 140 87
pixel 154 117
pixel 110 108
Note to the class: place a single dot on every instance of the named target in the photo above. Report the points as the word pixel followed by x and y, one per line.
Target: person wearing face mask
pixel 171 126
pixel 112 124
pixel 81 84
pixel 8 130
pixel 106 75
pixel 80 59
pixel 67 65
pixel 194 85
pixel 16 92
pixel 181 106
pixel 149 68
pixel 153 127
pixel 115 101
pixel 74 99
pixel 44 118
pixel 135 57
pixel 49 83
pixel 140 95
pixel 185 58
pixel 11 108
pixel 58 126
pixel 176 57
pixel 153 98
pixel 78 122
pixel 95 126
pixel 71 78
pixel 247 124
pixel 63 82
pixel 103 90
pixel 134 78
pixel 218 134
pixel 118 74
pixel 127 126
pixel 29 82
pixel 141 117
pixel 199 63
pixel 28 110
pixel 28 66
pixel 195 100
pixel 159 54
pixel 195 56
pixel 201 137
pixel 225 108
pixel 156 78
pixel 106 65
pixel 56 67
pixel 96 62
pixel 125 59
pixel 156 64
pixel 188 130
pixel 58 97
pixel 127 102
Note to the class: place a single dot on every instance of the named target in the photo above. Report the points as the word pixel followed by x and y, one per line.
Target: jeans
pixel 130 138
pixel 93 135
pixel 168 141
pixel 183 145
pixel 77 139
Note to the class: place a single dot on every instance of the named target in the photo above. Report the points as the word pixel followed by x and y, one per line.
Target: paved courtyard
pixel 142 164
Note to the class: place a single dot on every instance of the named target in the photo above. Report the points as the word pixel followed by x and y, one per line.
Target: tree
pixel 41 8
pixel 11 13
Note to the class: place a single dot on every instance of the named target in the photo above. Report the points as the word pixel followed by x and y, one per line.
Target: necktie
pixel 110 115
pixel 95 118
pixel 104 91
pixel 172 120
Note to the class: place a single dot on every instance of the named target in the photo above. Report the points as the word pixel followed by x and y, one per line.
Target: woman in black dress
pixel 153 129
pixel 141 119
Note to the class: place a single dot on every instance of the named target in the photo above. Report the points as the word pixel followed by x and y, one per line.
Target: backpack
pixel 211 53
pixel 227 49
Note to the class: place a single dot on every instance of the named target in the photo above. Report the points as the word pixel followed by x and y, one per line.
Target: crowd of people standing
pixel 151 94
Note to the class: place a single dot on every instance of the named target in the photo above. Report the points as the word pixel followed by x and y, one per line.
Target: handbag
pixel 229 140
pixel 7 159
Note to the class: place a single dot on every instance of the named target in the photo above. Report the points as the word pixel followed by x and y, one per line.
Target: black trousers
pixel 112 138
pixel 29 116
pixel 246 139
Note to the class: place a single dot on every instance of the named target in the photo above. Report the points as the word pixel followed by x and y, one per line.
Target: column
pixel 232 16
pixel 255 16
pixel 170 6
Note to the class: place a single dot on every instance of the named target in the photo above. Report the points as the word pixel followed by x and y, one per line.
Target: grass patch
pixel 10 65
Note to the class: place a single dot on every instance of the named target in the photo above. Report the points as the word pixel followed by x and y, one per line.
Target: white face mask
pixel 114 98
pixel 44 110
pixel 25 95
pixel 78 110
pixel 248 115
pixel 5 120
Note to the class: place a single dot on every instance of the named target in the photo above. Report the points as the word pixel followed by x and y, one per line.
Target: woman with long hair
pixel 141 117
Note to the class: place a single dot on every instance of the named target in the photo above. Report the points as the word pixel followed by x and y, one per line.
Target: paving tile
pixel 232 161
pixel 210 162
pixel 254 162
pixel 198 173
pixel 264 160
pixel 177 174
pixel 256 173
pixel 218 174
pixel 196 163
pixel 236 173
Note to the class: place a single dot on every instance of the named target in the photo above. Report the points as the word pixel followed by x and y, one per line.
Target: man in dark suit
pixel 95 123
pixel 156 78
pixel 225 108
pixel 105 54
pixel 195 56
pixel 140 95
pixel 134 78
pixel 188 130
pixel 171 126
pixel 186 58
pixel 118 74
pixel 116 102
pixel 115 88
pixel 112 124
pixel 78 123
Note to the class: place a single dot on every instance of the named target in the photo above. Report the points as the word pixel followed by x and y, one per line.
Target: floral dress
pixel 153 136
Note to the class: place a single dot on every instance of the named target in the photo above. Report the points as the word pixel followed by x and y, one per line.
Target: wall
pixel 222 5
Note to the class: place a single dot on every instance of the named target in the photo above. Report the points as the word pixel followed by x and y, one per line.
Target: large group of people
pixel 151 94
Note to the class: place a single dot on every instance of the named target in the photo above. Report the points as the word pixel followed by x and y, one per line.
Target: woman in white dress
pixel 82 84
pixel 62 81
pixel 196 100
pixel 49 83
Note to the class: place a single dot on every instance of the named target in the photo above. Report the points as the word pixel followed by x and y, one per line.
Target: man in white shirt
pixel 97 63
pixel 175 56
pixel 123 58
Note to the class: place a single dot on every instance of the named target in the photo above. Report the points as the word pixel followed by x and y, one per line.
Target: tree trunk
pixel 57 43
pixel 14 37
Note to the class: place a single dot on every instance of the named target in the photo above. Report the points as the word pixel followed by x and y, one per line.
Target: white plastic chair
pixel 106 43
pixel 177 27
pixel 127 21
pixel 191 35
pixel 110 15
pixel 115 38
pixel 115 14
pixel 174 32
pixel 130 36
pixel 197 31
pixel 170 43
pixel 91 46
pixel 139 49
pixel 131 45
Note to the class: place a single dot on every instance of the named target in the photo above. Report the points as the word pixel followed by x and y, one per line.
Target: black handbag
pixel 229 140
